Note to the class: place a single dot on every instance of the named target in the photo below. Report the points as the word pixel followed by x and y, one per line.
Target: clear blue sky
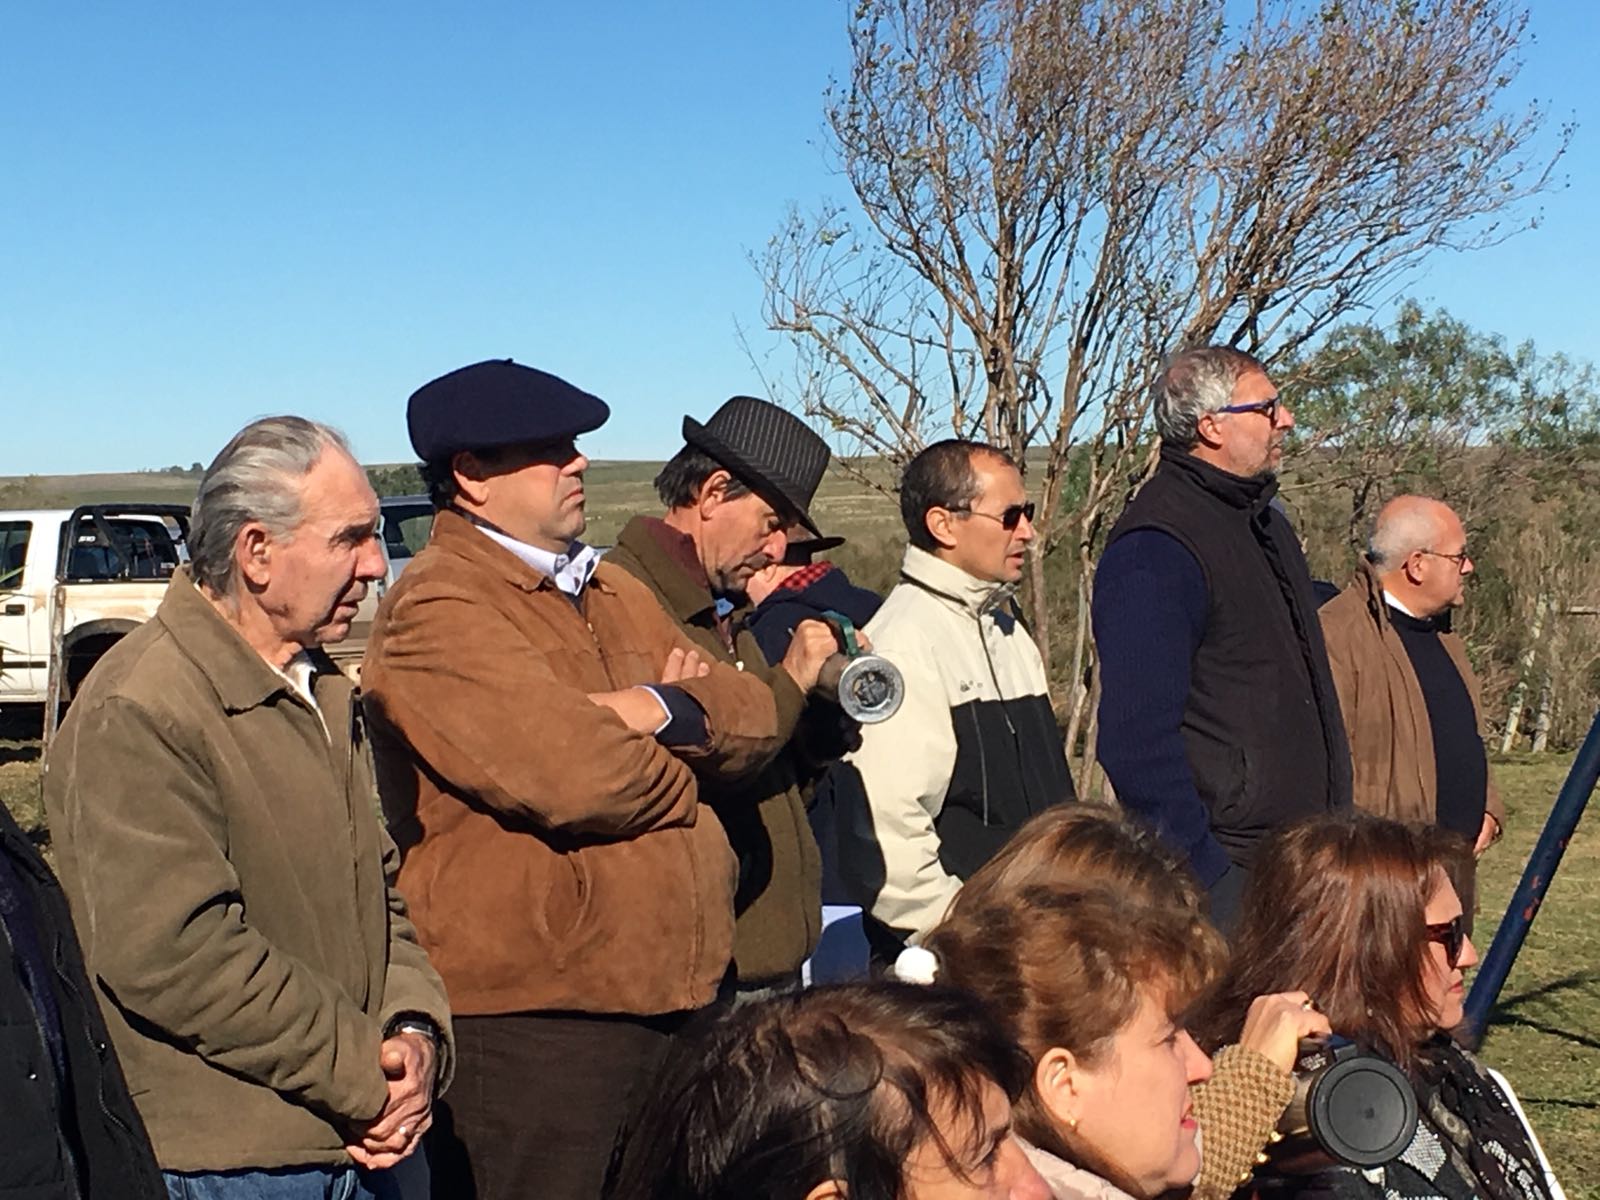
pixel 209 211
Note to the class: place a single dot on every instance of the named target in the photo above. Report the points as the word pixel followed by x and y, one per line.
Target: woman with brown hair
pixel 1093 987
pixel 1087 846
pixel 1360 913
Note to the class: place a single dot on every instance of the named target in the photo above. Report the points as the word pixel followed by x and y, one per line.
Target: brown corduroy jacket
pixel 231 884
pixel 555 860
pixel 1385 714
pixel 779 903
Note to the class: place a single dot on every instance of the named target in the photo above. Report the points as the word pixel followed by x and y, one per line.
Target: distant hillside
pixel 617 490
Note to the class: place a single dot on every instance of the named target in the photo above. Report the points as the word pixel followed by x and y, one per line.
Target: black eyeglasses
pixel 1268 408
pixel 1452 935
pixel 1009 519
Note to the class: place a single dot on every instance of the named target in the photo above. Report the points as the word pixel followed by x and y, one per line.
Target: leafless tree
pixel 1047 196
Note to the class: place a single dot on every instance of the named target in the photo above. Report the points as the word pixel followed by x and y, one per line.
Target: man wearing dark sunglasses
pixel 1409 696
pixel 1219 720
pixel 974 750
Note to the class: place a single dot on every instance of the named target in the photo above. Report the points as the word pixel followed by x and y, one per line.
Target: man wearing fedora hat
pixel 741 481
pixel 538 725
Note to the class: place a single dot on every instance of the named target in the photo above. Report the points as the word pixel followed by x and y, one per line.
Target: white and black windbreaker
pixel 973 752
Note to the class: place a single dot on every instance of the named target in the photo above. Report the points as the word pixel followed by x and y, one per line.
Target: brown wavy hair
pixel 1335 907
pixel 1090 846
pixel 1065 967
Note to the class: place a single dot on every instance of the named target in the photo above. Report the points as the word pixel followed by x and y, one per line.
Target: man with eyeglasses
pixel 1409 697
pixel 974 750
pixel 1219 721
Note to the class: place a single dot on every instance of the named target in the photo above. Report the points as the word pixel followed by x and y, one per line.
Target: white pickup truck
pixel 73 581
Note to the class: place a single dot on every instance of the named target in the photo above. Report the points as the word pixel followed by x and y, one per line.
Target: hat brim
pixel 752 476
pixel 804 548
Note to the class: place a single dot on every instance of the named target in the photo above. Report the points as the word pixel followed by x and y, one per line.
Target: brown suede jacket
pixel 779 902
pixel 554 858
pixel 1385 715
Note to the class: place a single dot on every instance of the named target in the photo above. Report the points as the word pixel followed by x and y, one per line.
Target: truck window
pixel 13 552
pixel 139 548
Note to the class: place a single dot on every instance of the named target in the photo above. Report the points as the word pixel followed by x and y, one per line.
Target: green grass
pixel 1545 1033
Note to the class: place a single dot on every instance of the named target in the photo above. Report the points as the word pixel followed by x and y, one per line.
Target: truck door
pixel 24 633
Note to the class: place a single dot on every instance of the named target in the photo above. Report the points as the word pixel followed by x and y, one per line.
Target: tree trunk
pixel 1519 694
pixel 1037 601
pixel 1541 723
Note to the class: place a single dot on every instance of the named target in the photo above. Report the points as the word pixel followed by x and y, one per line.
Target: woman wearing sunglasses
pixel 1361 914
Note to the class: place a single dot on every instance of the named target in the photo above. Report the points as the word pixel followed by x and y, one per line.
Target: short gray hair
pixel 1403 526
pixel 255 477
pixel 1193 383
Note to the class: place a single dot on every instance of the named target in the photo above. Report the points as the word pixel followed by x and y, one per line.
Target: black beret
pixel 497 403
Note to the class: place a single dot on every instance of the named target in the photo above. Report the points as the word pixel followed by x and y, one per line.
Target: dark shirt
pixel 1459 763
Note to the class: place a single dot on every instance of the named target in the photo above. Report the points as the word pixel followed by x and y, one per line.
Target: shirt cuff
pixel 684 721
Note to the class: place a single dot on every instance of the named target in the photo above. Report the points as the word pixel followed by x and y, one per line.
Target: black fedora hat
pixel 497 403
pixel 772 452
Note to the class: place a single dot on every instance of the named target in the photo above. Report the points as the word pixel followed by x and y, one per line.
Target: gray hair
pixel 255 477
pixel 1193 383
pixel 1403 526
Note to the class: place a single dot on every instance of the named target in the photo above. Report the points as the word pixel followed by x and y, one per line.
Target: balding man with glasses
pixel 974 750
pixel 1219 719
pixel 1408 694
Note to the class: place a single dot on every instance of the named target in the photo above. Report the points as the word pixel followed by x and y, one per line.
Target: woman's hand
pixel 1275 1024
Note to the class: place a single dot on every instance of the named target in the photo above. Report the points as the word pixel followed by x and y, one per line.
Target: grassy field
pixel 1546 1031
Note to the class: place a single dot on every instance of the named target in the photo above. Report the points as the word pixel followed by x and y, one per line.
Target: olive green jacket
pixel 778 905
pixel 232 887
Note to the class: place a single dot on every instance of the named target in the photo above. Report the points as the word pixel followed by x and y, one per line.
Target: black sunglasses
pixel 1452 935
pixel 1268 408
pixel 1009 519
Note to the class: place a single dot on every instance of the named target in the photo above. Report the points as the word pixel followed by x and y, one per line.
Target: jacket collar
pixel 934 574
pixel 1378 608
pixel 241 677
pixel 454 534
pixel 1234 490
pixel 1069 1182
pixel 671 561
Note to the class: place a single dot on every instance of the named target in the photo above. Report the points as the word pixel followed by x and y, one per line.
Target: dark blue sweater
pixel 1149 613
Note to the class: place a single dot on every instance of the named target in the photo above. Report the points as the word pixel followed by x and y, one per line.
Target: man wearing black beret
pixel 538 725
pixel 740 482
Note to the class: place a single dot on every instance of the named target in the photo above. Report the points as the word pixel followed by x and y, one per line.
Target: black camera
pixel 1356 1106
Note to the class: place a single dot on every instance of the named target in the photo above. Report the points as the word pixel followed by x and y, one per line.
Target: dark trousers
pixel 537 1101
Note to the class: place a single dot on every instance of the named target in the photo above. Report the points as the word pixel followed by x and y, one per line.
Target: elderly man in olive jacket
pixel 214 814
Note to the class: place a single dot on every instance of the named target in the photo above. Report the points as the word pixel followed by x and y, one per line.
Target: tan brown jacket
pixel 229 878
pixel 554 859
pixel 1385 714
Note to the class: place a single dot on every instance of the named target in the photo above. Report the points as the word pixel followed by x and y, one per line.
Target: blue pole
pixel 1542 864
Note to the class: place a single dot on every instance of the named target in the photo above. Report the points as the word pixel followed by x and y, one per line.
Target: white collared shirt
pixel 570 572
pixel 1393 603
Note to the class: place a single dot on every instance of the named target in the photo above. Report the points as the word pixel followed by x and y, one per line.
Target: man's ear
pixel 713 492
pixel 1209 429
pixel 1059 1081
pixel 252 551
pixel 941 524
pixel 827 1190
pixel 472 477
